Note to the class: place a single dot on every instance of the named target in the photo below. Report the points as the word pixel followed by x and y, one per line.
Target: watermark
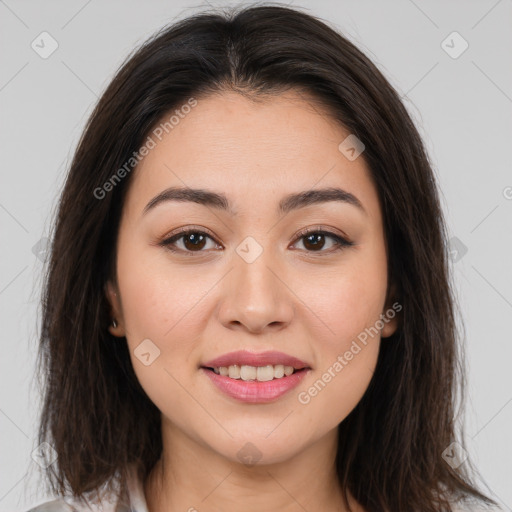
pixel 44 455
pixel 351 147
pixel 249 454
pixel 507 192
pixel 457 249
pixel 455 455
pixel 150 143
pixel 304 397
pixel 454 45
pixel 40 249
pixel 44 45
pixel 146 352
pixel 249 250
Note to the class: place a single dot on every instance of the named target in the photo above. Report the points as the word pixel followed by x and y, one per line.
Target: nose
pixel 256 297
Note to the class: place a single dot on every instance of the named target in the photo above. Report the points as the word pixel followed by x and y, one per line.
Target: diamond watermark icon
pixel 351 147
pixel 455 455
pixel 146 352
pixel 44 45
pixel 44 455
pixel 40 248
pixel 454 45
pixel 249 250
pixel 457 249
pixel 249 454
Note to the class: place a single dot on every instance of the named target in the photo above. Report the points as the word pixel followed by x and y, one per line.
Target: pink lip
pixel 253 391
pixel 244 357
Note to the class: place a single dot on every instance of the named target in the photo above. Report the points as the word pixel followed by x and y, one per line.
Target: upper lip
pixel 244 357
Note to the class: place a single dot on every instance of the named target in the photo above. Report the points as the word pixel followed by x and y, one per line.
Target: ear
pixel 116 314
pixel 391 314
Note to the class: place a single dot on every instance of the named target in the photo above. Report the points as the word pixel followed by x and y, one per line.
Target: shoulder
pixel 56 505
pixel 61 505
pixel 130 499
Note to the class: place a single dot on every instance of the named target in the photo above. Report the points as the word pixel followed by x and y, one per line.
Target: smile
pixel 255 384
pixel 259 373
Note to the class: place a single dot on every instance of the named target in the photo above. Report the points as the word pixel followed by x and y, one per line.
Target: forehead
pixel 257 149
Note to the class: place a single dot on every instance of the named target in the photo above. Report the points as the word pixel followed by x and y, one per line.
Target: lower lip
pixel 253 391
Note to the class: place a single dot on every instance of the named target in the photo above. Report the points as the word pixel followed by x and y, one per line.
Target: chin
pixel 257 448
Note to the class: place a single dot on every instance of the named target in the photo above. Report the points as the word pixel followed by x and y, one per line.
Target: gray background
pixel 462 107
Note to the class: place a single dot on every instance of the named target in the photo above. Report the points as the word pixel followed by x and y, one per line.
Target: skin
pixel 310 304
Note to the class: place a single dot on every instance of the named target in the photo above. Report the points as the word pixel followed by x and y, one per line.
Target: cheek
pixel 163 307
pixel 346 300
pixel 347 340
pixel 161 317
pixel 347 352
pixel 158 302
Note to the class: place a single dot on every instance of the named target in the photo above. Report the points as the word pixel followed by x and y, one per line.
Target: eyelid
pixel 186 229
pixel 319 228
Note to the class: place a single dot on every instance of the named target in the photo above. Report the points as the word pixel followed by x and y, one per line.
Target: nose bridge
pixel 252 271
pixel 257 295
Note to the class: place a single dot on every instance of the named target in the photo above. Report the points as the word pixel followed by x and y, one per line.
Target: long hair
pixel 95 414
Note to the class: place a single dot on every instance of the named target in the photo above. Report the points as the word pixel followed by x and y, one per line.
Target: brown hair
pixel 96 415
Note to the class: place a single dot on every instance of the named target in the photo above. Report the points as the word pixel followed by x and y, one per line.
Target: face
pixel 309 281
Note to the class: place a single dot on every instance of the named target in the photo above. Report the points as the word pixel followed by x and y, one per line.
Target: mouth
pixel 255 377
pixel 249 365
pixel 255 373
pixel 253 385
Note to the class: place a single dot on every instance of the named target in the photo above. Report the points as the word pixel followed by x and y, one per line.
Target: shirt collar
pixel 136 499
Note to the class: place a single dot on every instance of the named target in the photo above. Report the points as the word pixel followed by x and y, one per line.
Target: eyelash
pixel 341 243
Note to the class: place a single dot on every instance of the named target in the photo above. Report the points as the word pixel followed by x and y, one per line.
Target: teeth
pixel 279 371
pixel 249 372
pixel 259 373
pixel 233 371
pixel 264 373
pixel 288 370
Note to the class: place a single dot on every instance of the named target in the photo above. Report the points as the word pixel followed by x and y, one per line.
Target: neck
pixel 191 476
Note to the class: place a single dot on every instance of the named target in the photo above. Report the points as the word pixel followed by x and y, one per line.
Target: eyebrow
pixel 219 201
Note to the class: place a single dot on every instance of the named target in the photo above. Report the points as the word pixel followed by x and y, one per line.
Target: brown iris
pixel 194 241
pixel 314 238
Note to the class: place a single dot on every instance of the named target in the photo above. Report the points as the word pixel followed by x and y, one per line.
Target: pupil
pixel 314 237
pixel 194 239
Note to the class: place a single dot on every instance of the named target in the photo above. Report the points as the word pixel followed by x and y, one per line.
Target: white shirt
pixel 135 501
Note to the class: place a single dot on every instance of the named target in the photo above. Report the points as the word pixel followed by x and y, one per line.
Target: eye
pixel 314 240
pixel 195 240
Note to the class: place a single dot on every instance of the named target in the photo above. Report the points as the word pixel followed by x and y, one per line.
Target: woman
pixel 248 301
